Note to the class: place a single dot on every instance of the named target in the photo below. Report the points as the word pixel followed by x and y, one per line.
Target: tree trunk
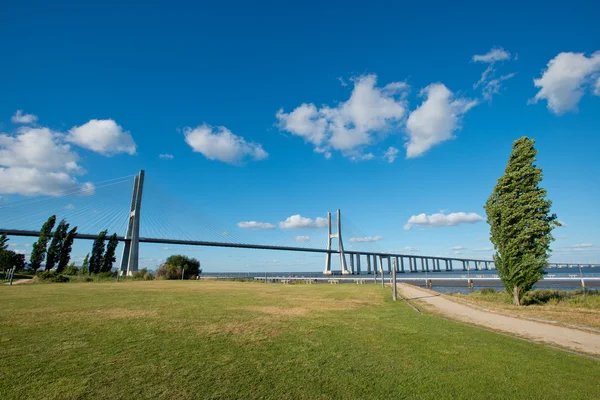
pixel 516 296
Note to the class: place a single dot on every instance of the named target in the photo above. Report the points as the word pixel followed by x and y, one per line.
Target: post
pixel 394 289
pixel 12 276
pixel 381 271
pixel 374 268
pixel 182 273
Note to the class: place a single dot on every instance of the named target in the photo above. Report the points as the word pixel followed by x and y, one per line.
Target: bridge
pixel 351 261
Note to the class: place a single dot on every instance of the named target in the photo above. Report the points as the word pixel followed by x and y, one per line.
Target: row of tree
pixel 59 252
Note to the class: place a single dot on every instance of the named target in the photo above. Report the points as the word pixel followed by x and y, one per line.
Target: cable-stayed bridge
pixel 165 219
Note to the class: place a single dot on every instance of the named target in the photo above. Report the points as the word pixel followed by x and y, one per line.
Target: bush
pixel 106 275
pixel 189 266
pixel 143 275
pixel 168 271
pixel 543 296
pixel 488 290
pixel 50 276
pixel 72 269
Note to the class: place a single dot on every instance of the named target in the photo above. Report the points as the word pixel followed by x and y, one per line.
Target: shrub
pixel 488 290
pixel 106 275
pixel 143 275
pixel 168 271
pixel 50 276
pixel 72 269
pixel 190 266
pixel 543 296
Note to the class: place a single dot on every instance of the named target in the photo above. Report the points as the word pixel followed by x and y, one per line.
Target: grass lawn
pixel 574 308
pixel 178 340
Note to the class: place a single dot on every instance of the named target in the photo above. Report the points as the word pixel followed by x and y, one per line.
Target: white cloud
pixel 411 249
pixel 69 207
pixel 566 79
pixel 103 136
pixel 362 157
pixel 255 225
pixel 87 189
pixel 441 219
pixel 457 248
pixel 369 114
pixel 491 86
pixel 302 238
pixel 20 118
pixel 391 154
pixel 562 224
pixel 583 245
pixel 483 249
pixel 166 156
pixel 367 239
pixel 34 161
pixel 436 119
pixel 219 143
pixel 299 222
pixel 492 56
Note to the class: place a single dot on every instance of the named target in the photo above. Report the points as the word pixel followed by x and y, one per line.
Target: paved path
pixel 574 339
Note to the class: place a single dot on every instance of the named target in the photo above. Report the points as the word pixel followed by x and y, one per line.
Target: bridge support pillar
pixel 130 256
pixel 351 264
pixel 368 264
pixel 338 235
pixel 358 264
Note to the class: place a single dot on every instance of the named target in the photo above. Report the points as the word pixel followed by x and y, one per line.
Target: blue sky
pixel 267 111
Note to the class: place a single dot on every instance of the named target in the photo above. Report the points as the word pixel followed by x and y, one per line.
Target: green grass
pixel 177 340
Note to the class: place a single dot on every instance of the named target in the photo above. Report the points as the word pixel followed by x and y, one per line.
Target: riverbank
pixel 578 307
pixel 579 340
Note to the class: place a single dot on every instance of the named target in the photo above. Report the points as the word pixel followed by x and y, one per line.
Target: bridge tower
pixel 338 235
pixel 130 258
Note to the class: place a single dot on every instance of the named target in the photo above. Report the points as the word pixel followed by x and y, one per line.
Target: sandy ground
pixel 574 339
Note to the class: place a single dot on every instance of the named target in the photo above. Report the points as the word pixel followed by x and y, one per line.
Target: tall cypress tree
pixel 97 253
pixel 518 213
pixel 65 251
pixel 58 239
pixel 38 250
pixel 85 267
pixel 3 242
pixel 109 258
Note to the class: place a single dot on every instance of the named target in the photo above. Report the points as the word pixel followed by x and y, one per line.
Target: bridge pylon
pixel 131 250
pixel 338 236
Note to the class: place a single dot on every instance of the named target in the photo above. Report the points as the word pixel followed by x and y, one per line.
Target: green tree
pixel 65 251
pixel 9 258
pixel 3 242
pixel 173 266
pixel 97 253
pixel 518 213
pixel 72 269
pixel 38 250
pixel 109 258
pixel 56 244
pixel 85 267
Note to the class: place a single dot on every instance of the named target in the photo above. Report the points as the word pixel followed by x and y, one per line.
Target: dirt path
pixel 574 339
